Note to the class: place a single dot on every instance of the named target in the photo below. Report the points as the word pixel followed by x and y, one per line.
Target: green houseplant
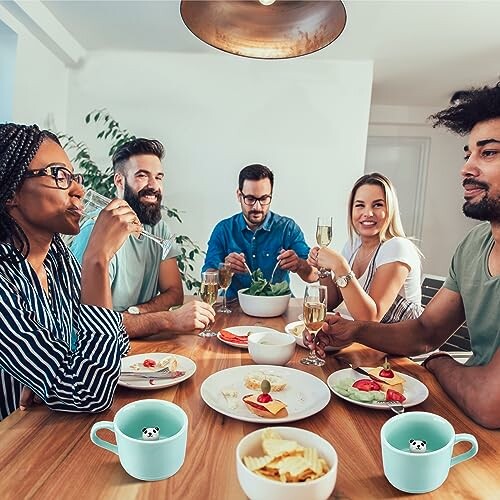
pixel 101 181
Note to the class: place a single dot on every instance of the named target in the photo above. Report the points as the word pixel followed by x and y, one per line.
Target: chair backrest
pixel 460 340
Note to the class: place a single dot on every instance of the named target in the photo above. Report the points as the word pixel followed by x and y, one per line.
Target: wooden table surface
pixel 47 454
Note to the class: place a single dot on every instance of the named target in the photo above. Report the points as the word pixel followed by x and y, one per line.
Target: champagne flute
pixel 225 277
pixel 208 293
pixel 324 235
pixel 315 301
pixel 95 202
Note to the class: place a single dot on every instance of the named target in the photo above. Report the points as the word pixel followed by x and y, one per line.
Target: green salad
pixel 260 286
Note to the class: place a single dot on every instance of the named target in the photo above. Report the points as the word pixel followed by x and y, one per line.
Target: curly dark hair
pixel 18 146
pixel 469 108
pixel 134 147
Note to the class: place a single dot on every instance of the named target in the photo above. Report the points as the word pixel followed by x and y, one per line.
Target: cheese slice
pixel 396 380
pixel 273 406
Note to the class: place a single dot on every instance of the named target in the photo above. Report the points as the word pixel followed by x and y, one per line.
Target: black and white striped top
pixel 36 331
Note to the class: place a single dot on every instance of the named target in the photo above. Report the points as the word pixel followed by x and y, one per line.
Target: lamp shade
pixel 281 30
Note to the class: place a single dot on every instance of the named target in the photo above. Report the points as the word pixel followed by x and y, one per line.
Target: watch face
pixel 342 282
pixel 133 310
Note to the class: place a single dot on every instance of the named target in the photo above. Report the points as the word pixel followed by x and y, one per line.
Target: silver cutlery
pixel 395 406
pixel 248 269
pixel 153 375
pixel 274 270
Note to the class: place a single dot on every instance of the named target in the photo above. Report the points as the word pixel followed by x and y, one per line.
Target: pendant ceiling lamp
pixel 265 29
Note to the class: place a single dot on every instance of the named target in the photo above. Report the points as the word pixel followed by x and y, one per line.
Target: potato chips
pixel 286 461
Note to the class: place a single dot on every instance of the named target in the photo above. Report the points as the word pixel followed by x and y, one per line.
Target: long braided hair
pixel 18 146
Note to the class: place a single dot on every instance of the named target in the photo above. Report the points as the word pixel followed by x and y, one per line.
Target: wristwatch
pixel 342 281
pixel 133 310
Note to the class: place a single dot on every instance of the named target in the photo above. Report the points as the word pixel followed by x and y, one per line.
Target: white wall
pixel 8 40
pixel 306 119
pixel 444 224
pixel 40 80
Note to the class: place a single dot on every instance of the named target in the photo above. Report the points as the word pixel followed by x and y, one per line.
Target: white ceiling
pixel 422 50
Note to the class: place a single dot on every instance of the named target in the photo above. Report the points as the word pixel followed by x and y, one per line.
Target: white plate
pixel 184 364
pixel 291 328
pixel 414 391
pixel 304 394
pixel 242 331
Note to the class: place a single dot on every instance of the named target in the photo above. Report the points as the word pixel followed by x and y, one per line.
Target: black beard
pixel 487 209
pixel 148 213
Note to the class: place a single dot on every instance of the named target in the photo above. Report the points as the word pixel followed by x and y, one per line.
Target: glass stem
pixel 224 291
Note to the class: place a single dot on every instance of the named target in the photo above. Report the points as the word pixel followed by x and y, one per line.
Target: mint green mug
pixel 420 472
pixel 148 460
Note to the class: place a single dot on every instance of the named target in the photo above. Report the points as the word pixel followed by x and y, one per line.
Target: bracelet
pixel 435 355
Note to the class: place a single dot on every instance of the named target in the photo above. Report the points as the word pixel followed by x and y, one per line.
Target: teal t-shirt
pixel 480 292
pixel 134 270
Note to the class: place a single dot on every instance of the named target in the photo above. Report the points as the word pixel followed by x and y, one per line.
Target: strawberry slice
pixel 392 395
pixel 367 384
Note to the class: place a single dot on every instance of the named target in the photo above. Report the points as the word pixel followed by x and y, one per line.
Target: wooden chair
pixel 458 345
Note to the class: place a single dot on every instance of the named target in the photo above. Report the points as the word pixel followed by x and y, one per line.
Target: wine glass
pixel 315 301
pixel 324 235
pixel 208 293
pixel 95 202
pixel 225 277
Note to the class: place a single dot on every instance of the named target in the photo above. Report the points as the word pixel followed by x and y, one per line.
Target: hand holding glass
pixel 324 235
pixel 315 302
pixel 225 277
pixel 93 202
pixel 208 293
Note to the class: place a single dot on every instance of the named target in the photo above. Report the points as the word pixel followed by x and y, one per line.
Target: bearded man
pixel 144 283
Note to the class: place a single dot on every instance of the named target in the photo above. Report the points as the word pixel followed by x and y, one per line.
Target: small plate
pixel 415 391
pixel 294 329
pixel 242 331
pixel 304 394
pixel 183 364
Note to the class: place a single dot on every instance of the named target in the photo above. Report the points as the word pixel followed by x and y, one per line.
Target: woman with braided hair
pixel 46 301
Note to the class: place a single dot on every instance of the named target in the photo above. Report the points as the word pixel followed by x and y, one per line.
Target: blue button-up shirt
pixel 261 247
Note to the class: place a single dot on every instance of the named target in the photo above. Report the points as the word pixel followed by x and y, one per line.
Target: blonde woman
pixel 377 276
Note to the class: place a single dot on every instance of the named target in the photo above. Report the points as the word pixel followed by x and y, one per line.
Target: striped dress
pixel 37 331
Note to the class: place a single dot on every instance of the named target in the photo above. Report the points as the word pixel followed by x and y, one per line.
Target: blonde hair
pixel 392 226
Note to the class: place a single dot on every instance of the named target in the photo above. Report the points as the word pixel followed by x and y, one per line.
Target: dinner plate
pixel 296 330
pixel 415 391
pixel 304 394
pixel 183 364
pixel 242 331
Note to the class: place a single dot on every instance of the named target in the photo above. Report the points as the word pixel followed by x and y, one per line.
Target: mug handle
pixel 101 442
pixel 468 454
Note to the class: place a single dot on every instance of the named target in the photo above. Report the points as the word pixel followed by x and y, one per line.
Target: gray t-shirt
pixel 134 270
pixel 480 292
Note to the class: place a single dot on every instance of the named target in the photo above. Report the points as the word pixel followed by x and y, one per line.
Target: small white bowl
pixel 260 488
pixel 271 348
pixel 262 306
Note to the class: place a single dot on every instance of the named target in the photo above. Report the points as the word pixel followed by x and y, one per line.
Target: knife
pixel 155 376
pixel 364 372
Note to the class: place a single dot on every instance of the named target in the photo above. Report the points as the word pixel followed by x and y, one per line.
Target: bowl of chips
pixel 286 463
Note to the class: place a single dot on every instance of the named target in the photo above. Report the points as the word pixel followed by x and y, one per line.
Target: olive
pixel 265 386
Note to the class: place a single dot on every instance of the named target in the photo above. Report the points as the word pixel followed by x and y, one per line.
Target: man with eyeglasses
pixel 257 238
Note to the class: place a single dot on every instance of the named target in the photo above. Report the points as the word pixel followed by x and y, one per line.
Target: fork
pixel 395 406
pixel 274 270
pixel 164 370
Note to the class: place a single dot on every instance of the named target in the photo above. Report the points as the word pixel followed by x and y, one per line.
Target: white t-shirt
pixel 396 249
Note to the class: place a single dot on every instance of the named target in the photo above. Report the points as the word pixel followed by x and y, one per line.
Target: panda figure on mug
pixel 417 446
pixel 150 433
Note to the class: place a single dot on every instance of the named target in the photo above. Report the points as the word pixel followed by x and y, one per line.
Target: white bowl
pixel 260 488
pixel 271 348
pixel 262 306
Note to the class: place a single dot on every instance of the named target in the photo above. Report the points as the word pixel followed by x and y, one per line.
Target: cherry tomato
pixel 149 363
pixel 386 373
pixel 264 398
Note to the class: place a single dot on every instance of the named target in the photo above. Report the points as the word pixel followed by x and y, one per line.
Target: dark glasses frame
pixel 53 170
pixel 250 200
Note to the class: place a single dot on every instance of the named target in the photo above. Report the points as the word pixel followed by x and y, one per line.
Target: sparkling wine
pixel 324 235
pixel 225 277
pixel 314 315
pixel 208 292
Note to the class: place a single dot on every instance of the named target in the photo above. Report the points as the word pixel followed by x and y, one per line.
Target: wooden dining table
pixel 48 454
